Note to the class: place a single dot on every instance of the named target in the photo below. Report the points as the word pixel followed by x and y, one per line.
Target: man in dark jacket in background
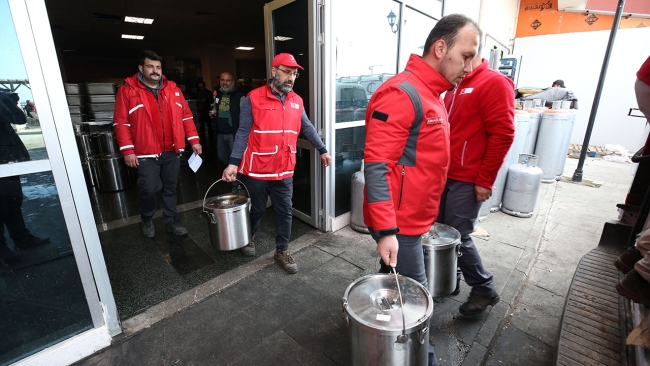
pixel 481 120
pixel 12 150
pixel 226 115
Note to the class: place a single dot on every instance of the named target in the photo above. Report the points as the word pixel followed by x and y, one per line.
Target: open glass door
pixel 290 27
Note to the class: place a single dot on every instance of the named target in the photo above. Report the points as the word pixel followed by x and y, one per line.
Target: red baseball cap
pixel 285 59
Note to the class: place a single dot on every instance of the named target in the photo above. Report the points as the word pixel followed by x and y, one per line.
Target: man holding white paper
pixel 152 122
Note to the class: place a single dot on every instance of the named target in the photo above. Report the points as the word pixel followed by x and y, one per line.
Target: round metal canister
pixel 441 251
pixel 550 141
pixel 229 222
pixel 80 127
pixel 87 175
pixel 566 133
pixel 374 315
pixel 531 138
pixel 86 145
pixel 522 128
pixel 356 202
pixel 522 187
pixel 106 142
pixel 110 173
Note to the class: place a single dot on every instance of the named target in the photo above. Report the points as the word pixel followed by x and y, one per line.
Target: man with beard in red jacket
pixel 407 147
pixel 152 122
pixel 481 120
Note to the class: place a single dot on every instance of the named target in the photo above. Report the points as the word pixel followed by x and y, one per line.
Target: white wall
pixel 577 58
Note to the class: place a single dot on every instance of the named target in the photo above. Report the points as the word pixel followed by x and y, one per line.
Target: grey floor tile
pixel 518 348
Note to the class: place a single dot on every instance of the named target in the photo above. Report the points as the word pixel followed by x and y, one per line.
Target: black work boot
pixel 147 228
pixel 635 288
pixel 8 255
pixel 30 241
pixel 249 249
pixel 476 305
pixel 625 263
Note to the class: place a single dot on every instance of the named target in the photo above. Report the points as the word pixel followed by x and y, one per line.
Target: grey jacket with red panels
pixel 134 127
pixel 407 151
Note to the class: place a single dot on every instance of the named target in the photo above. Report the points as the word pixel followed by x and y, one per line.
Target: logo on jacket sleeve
pixel 435 120
pixel 466 91
pixel 295 106
pixel 178 94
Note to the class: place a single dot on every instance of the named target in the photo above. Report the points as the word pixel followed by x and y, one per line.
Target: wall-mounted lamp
pixel 391 21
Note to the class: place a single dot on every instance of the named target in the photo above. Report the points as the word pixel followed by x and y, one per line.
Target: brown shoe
pixel 249 250
pixel 635 288
pixel 625 263
pixel 286 260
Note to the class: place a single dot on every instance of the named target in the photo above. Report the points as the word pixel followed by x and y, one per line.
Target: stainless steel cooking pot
pixel 229 222
pixel 374 315
pixel 441 251
pixel 110 173
pixel 106 142
pixel 86 145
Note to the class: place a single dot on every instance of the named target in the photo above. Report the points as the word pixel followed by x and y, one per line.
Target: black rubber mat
pixel 594 321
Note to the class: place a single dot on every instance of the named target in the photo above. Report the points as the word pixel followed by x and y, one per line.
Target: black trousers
pixel 11 214
pixel 281 192
pixel 159 176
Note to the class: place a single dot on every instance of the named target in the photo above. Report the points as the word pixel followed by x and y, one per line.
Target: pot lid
pixel 226 201
pixel 441 234
pixel 373 300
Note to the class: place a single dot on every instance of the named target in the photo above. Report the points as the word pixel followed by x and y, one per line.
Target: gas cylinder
pixel 553 128
pixel 356 202
pixel 522 187
pixel 535 116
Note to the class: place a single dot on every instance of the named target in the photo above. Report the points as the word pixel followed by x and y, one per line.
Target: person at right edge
pixel 635 262
pixel 481 121
pixel 407 147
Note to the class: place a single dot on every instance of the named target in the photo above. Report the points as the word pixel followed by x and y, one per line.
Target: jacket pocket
pixel 292 157
pixel 264 160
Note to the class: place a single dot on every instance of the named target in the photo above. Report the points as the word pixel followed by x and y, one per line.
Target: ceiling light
pixel 129 19
pixel 131 36
pixel 245 48
pixel 282 38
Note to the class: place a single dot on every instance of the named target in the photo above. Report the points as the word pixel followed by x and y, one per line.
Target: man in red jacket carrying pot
pixel 481 118
pixel 407 147
pixel 271 118
pixel 151 123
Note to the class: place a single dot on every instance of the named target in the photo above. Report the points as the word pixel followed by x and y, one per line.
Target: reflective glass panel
pixel 429 7
pixel 349 152
pixel 43 301
pixel 415 31
pixel 302 196
pixel 20 131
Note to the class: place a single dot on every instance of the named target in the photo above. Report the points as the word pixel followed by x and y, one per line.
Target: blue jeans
pixel 410 263
pixel 224 147
pixel 159 176
pixel 281 192
pixel 459 209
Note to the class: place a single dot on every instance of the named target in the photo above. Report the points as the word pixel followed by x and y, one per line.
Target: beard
pixel 279 85
pixel 228 90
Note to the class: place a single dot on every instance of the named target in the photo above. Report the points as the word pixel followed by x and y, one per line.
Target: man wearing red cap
pixel 271 118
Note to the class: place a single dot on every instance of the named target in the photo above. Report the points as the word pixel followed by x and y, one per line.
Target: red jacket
pixel 134 127
pixel 481 119
pixel 407 151
pixel 271 149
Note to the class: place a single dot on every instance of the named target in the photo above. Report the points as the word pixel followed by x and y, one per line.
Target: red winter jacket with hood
pixel 135 119
pixel 407 151
pixel 481 119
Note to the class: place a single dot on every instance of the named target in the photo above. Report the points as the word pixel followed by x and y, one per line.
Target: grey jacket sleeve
pixel 241 137
pixel 308 130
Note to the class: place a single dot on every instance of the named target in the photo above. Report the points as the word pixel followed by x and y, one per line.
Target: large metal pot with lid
pixel 441 251
pixel 228 220
pixel 384 329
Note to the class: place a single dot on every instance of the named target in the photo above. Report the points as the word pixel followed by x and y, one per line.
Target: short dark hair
pixel 559 82
pixel 151 55
pixel 447 29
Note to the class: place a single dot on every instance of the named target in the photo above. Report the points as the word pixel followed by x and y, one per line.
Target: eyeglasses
pixel 289 73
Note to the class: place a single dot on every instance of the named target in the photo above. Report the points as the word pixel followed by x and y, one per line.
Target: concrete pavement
pixel 259 315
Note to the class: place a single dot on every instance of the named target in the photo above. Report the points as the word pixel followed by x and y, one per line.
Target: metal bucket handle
pixel 206 192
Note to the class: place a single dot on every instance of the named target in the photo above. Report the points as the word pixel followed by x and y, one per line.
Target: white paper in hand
pixel 194 162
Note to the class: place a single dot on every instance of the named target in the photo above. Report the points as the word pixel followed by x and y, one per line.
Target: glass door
pixel 290 27
pixel 47 273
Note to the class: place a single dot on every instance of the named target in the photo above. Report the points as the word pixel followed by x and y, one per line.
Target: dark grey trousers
pixel 459 209
pixel 159 176
pixel 281 192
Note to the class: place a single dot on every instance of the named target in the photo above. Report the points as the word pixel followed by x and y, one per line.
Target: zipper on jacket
pixel 453 99
pixel 163 123
pixel 401 188
pixel 462 155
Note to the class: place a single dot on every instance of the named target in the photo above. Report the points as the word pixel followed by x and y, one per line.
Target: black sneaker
pixel 8 255
pixel 476 305
pixel 147 228
pixel 30 241
pixel 176 228
pixel 249 249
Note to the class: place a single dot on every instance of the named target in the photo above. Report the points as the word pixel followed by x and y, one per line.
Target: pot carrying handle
pixel 206 192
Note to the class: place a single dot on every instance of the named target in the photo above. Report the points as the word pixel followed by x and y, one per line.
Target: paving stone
pixel 492 324
pixel 281 349
pixel 536 323
pixel 475 355
pixel 518 348
pixel 543 300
